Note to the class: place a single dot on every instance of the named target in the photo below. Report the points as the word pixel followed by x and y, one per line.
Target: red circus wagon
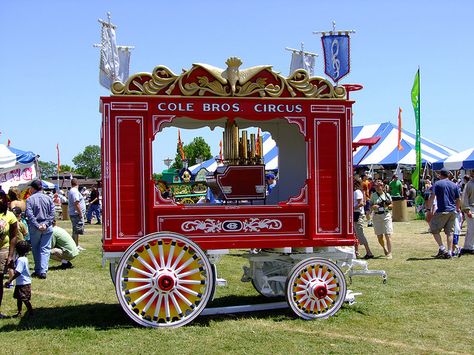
pixel 162 252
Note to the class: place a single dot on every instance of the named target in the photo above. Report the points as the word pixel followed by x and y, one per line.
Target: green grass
pixel 426 307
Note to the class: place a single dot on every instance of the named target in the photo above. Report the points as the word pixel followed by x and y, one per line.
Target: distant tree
pixel 197 149
pixel 88 162
pixel 65 167
pixel 47 168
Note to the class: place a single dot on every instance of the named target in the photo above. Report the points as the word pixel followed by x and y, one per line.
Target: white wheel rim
pixel 163 280
pixel 316 288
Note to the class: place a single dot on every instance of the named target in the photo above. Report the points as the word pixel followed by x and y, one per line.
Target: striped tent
pixel 270 157
pixel 386 152
pixel 461 160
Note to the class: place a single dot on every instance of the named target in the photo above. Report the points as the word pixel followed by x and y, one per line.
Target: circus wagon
pixel 163 252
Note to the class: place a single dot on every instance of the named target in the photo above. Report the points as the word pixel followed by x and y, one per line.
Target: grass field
pixel 426 307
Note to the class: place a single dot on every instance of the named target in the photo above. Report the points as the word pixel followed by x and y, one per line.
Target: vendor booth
pixel 17 167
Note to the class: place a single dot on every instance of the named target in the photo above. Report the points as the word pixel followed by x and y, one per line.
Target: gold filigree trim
pixel 207 80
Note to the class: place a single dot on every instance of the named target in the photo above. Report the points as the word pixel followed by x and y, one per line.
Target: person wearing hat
pixel 468 203
pixel 40 213
pixel 448 202
pixel 271 182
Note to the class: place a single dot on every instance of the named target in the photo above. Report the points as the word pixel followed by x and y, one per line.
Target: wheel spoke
pixel 190 272
pixel 149 303
pixel 185 300
pixel 187 290
pixel 137 289
pixel 144 263
pixel 178 259
pixel 185 265
pixel 161 253
pixel 158 307
pixel 142 297
pixel 167 307
pixel 176 305
pixel 141 272
pixel 152 256
pixel 135 279
pixel 171 252
pixel 191 282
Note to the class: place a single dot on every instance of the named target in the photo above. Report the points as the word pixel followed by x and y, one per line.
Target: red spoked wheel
pixel 164 280
pixel 316 288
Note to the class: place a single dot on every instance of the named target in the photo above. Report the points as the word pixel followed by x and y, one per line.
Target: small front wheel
pixel 315 288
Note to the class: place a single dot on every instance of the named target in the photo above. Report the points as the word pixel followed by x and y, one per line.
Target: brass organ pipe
pixel 235 141
pixel 244 146
pixel 252 145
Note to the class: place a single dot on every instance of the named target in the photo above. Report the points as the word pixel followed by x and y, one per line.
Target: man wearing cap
pixel 40 213
pixel 468 203
pixel 271 182
pixel 448 202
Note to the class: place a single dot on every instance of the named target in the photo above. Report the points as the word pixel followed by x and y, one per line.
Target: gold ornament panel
pixel 207 80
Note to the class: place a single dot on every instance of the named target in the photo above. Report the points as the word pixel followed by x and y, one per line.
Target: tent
pixel 386 152
pixel 270 157
pixel 461 160
pixel 16 166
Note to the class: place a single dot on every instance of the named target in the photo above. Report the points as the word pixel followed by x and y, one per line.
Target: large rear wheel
pixel 164 280
pixel 316 288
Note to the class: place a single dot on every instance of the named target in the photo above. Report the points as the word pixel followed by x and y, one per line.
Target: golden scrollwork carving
pixel 205 80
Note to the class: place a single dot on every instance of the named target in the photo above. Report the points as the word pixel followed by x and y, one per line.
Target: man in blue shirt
pixel 40 213
pixel 448 203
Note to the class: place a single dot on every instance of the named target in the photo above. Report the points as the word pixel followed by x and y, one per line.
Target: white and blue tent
pixel 461 160
pixel 16 166
pixel 270 157
pixel 386 152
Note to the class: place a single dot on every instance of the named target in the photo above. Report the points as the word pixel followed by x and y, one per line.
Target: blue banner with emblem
pixel 336 55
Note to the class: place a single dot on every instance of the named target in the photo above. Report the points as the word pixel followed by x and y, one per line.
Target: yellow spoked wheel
pixel 316 288
pixel 164 280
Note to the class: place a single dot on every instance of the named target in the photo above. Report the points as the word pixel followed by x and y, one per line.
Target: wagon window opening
pixel 244 167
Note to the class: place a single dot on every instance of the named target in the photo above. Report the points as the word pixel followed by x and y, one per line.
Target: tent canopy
pixel 461 160
pixel 11 157
pixel 386 152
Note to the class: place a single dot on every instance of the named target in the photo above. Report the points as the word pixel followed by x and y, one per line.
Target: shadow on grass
pixel 101 316
pixel 97 315
pixel 423 259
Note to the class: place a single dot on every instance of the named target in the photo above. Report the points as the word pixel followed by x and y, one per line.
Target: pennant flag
pixel 124 63
pixel 59 162
pixel 220 151
pixel 415 99
pixel 301 60
pixel 400 147
pixel 109 58
pixel 8 143
pixel 180 146
pixel 336 55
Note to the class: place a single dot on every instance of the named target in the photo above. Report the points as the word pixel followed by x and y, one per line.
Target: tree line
pixel 86 163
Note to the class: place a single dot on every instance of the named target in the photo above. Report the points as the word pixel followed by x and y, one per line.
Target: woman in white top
pixel 359 220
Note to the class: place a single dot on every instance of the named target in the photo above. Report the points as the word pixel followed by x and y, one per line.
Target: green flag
pixel 415 99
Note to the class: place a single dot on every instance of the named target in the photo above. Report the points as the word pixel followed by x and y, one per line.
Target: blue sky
pixel 50 90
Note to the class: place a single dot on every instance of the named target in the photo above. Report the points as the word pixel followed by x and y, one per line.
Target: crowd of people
pixel 28 223
pixel 447 204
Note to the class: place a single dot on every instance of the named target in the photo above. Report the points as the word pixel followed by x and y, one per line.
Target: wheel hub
pixel 318 289
pixel 165 281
